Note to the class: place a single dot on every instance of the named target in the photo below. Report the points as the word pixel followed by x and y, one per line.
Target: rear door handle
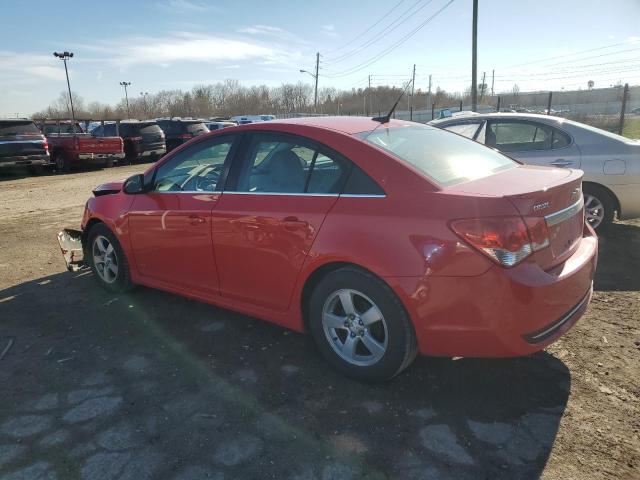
pixel 292 223
pixel 196 220
pixel 561 162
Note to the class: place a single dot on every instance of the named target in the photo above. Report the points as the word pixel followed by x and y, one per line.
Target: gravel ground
pixel 150 385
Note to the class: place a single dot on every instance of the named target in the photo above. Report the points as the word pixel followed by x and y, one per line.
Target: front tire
pixel 107 259
pixel 62 165
pixel 599 207
pixel 360 326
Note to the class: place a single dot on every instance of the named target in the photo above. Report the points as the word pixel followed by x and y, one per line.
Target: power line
pixel 384 17
pixel 383 33
pixel 380 55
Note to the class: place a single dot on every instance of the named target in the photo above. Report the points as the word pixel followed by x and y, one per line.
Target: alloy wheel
pixel 105 259
pixel 355 327
pixel 593 210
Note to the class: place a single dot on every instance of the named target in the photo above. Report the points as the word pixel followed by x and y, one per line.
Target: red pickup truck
pixel 70 145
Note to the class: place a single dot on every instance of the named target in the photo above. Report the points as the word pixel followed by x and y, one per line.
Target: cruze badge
pixel 540 206
pixel 575 194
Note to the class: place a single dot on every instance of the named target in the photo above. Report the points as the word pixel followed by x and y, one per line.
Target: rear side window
pixel 359 183
pixel 287 164
pixel 518 136
pixel 465 129
pixel 446 159
pixel 18 128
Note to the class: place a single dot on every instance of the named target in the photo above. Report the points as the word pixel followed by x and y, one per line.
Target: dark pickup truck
pixel 22 144
pixel 70 146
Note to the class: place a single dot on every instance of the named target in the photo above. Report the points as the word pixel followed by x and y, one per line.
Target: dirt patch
pixel 150 385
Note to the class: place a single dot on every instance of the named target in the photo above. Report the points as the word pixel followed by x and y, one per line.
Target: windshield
pixel 443 157
pixel 18 128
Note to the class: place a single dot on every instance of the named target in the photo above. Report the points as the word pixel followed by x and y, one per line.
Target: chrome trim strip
pixel 564 214
pixel 283 194
pixel 362 195
pixel 545 333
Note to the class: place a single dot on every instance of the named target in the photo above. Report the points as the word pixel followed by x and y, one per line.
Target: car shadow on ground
pixel 151 385
pixel 618 258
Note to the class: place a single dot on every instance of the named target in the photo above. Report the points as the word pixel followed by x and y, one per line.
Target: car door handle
pixel 561 162
pixel 292 223
pixel 196 220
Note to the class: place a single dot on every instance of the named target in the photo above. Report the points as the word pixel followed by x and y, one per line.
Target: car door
pixel 279 191
pixel 170 225
pixel 532 142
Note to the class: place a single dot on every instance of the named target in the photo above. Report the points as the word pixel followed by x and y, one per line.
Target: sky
pixel 177 44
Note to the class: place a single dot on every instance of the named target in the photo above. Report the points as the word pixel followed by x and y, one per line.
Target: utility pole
pixel 625 96
pixel 126 96
pixel 315 96
pixel 369 94
pixel 64 56
pixel 493 77
pixel 474 59
pixel 429 102
pixel 482 85
pixel 413 88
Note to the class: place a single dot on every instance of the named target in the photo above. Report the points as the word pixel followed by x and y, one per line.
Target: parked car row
pixel 63 144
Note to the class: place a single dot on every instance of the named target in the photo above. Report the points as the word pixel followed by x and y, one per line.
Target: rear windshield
pixel 444 157
pixel 18 128
pixel 196 128
pixel 147 128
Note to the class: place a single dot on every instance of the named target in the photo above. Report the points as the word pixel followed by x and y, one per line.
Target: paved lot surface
pixel 150 385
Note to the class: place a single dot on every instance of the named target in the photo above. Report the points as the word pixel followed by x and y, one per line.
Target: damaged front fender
pixel 72 249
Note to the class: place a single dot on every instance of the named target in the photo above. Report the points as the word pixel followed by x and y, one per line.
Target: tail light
pixel 45 144
pixel 505 240
pixel 185 136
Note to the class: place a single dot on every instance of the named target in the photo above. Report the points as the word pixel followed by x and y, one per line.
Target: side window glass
pixel 518 136
pixel 465 129
pixel 275 166
pixel 196 169
pixel 359 183
pixel 559 139
pixel 326 175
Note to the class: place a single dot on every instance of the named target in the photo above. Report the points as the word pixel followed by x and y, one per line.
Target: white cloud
pixel 633 39
pixel 23 68
pixel 273 32
pixel 329 31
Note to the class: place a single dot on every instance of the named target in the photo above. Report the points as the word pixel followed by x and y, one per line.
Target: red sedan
pixel 381 239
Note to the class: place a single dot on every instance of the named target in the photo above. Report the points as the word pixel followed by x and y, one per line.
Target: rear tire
pixel 371 339
pixel 61 164
pixel 599 207
pixel 107 260
pixel 108 163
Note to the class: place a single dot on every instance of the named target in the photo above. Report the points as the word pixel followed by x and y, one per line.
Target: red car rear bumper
pixel 503 312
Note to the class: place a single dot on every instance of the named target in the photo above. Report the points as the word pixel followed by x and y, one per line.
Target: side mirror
pixel 134 184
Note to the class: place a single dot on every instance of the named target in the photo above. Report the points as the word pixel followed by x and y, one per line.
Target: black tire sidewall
pixel 401 338
pixel 607 202
pixel 123 279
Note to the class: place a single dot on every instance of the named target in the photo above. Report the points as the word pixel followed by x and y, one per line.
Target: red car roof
pixel 349 125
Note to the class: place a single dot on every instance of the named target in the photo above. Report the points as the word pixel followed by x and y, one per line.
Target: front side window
pixel 285 164
pixel 445 159
pixel 196 169
pixel 467 129
pixel 518 136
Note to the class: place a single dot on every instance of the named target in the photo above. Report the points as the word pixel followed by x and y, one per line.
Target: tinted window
pixel 18 128
pixel 446 159
pixel 196 128
pixel 359 183
pixel 64 128
pixel 465 129
pixel 196 169
pixel 559 139
pixel 148 128
pixel 518 136
pixel 284 164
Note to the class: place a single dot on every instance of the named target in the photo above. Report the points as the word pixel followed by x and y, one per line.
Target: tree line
pixel 230 98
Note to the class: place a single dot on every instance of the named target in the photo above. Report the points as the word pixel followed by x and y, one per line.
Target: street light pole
pixel 144 102
pixel 126 96
pixel 315 77
pixel 64 56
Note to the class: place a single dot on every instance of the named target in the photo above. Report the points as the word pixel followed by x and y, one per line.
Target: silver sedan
pixel 611 163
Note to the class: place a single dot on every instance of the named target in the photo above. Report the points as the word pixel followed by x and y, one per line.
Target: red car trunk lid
pixel 552 193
